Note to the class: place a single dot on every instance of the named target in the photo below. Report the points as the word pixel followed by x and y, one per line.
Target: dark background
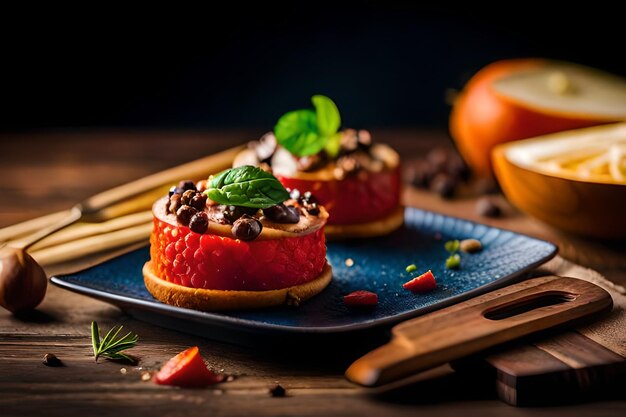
pixel 385 64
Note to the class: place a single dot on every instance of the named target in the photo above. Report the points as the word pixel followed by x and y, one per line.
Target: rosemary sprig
pixel 110 347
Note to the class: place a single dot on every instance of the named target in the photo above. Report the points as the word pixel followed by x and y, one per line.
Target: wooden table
pixel 42 173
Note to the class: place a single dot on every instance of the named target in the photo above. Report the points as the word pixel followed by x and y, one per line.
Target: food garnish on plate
pixel 243 242
pixel 357 180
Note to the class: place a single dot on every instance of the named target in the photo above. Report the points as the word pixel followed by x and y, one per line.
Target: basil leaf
pixel 297 132
pixel 327 115
pixel 247 186
pixel 333 144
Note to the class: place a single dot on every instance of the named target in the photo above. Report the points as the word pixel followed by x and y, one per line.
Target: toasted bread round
pixel 380 227
pixel 213 300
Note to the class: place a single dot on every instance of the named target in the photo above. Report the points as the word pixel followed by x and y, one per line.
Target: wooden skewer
pixel 139 194
pixel 84 230
pixel 91 245
pixel 29 226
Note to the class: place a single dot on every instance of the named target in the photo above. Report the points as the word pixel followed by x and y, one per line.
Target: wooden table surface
pixel 46 172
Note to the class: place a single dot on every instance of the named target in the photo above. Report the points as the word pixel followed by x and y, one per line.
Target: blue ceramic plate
pixel 378 265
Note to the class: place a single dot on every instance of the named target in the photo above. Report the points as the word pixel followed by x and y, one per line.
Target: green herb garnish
pixel 453 261
pixel 306 132
pixel 247 186
pixel 411 268
pixel 112 348
pixel 452 246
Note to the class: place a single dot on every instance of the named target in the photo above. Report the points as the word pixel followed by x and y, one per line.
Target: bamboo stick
pixel 93 244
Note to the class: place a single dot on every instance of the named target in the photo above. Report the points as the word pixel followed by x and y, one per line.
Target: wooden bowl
pixel 590 207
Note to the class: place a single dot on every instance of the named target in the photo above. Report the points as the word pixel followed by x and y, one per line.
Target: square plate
pixel 379 266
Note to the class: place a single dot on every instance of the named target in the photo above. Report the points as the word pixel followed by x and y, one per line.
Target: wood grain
pixel 478 324
pixel 563 368
pixel 47 172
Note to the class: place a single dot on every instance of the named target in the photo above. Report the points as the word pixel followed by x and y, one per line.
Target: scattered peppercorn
pixel 471 245
pixel 185 185
pixel 278 391
pixel 441 171
pixel 50 359
pixel 184 214
pixel 444 185
pixel 486 207
pixel 247 228
pixel 174 203
pixel 199 222
pixel 411 268
pixel 198 201
pixel 187 196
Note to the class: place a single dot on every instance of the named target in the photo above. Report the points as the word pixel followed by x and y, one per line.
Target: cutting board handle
pixel 477 324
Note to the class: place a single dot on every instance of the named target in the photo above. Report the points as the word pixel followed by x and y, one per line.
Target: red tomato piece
pixel 424 283
pixel 361 298
pixel 187 369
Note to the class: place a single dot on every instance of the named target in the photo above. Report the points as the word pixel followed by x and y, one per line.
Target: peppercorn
pixel 199 222
pixel 185 185
pixel 187 196
pixel 174 204
pixel 278 391
pixel 247 228
pixel 184 214
pixel 50 359
pixel 486 207
pixel 444 185
pixel 198 201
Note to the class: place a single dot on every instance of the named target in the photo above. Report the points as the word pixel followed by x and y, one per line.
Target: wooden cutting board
pixel 577 365
pixel 565 368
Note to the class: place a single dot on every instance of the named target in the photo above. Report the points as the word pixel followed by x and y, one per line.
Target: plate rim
pixel 215 318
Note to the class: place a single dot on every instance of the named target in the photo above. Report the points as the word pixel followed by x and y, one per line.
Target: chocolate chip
pixel 184 214
pixel 247 228
pixel 174 203
pixel 486 207
pixel 199 222
pixel 198 201
pixel 185 185
pixel 187 196
pixel 281 213
pixel 50 359
pixel 444 185
pixel 173 190
pixel 278 391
